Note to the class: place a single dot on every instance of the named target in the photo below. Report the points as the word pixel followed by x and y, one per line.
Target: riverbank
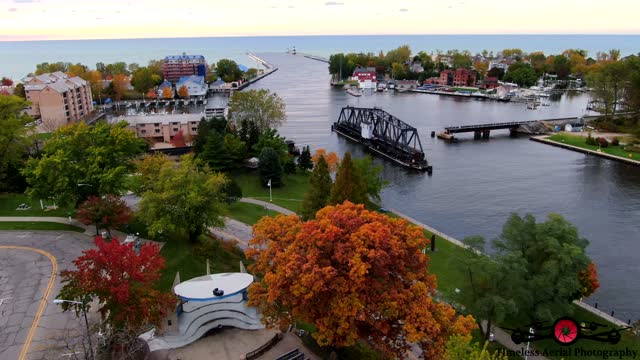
pixel 576 143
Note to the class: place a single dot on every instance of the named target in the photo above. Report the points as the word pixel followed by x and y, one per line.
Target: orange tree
pixel 588 280
pixel 354 274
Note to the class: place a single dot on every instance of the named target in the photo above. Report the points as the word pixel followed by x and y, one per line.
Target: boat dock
pixel 476 96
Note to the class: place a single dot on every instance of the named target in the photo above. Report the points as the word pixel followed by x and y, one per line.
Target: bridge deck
pixel 484 127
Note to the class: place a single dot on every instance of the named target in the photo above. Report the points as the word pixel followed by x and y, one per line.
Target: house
pixel 366 79
pixel 165 84
pixel 176 66
pixel 195 85
pixel 217 86
pixel 217 106
pixel 162 128
pixel 446 77
pixel 58 99
pixel 464 77
pixel 404 85
pixel 416 67
pixel 500 64
pixel 490 82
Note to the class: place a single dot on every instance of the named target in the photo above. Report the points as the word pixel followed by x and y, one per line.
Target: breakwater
pixel 545 140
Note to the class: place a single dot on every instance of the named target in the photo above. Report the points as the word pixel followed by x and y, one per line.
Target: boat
pixel 445 136
pixel 294 50
pixel 353 93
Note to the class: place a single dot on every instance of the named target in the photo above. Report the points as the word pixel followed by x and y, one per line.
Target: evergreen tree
pixel 304 161
pixel 270 168
pixel 349 185
pixel 289 166
pixel 320 187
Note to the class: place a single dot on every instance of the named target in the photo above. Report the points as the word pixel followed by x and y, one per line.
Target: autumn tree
pixel 120 84
pixel 186 198
pixel 94 78
pixel 588 280
pixel 349 184
pixel 262 107
pixel 270 168
pixel 353 274
pixel 304 161
pixel 123 283
pixel 151 94
pixel 183 92
pixel 481 67
pixel 178 140
pixel 81 160
pixel 317 196
pixel 6 81
pixel 331 159
pixel 104 212
pixel 463 348
pixel 167 93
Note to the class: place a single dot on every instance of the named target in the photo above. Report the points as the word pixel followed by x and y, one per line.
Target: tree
pixel 461 60
pixel 249 133
pixel 537 60
pixel 223 153
pixel 118 68
pixel 496 72
pixel 228 70
pixel 151 94
pixel 561 67
pixel 349 184
pixel 80 160
pixel 371 176
pixel 588 280
pixel 6 81
pixel 148 168
pixel 19 91
pixel 401 55
pixel 262 107
pixel 398 71
pixel 187 198
pixel 462 348
pixel 608 85
pixel 304 161
pixel 270 168
pixel 183 92
pixel 522 74
pixel 338 65
pixel 332 159
pixel 94 78
pixel 548 258
pixel 143 80
pixel 481 67
pixel 317 196
pixel 104 212
pixel 178 140
pixel 77 70
pixel 271 139
pixel 120 84
pixel 15 137
pixel 123 282
pixel 353 274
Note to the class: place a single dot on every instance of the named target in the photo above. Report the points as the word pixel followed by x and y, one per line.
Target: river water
pixel 476 184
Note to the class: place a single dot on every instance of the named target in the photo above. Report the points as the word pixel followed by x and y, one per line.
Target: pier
pixel 383 134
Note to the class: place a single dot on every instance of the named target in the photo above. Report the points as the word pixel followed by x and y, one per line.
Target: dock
pixel 384 135
pixel 475 96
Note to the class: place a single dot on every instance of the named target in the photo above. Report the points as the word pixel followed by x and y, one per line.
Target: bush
pixel 289 166
pixel 590 140
pixel 615 142
pixel 232 191
pixel 603 142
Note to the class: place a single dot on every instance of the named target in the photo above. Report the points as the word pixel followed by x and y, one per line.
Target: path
pixel 504 338
pixel 268 205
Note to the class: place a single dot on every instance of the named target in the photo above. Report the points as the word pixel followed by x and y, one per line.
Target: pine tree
pixel 349 184
pixel 270 168
pixel 320 187
pixel 304 161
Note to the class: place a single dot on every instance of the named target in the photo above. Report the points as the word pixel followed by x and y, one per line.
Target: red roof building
pixel 366 79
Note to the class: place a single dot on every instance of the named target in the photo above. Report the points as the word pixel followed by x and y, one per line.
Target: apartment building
pixel 58 99
pixel 177 66
pixel 162 128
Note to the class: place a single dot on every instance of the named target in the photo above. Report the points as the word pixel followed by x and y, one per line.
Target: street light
pixel 269 185
pixel 86 322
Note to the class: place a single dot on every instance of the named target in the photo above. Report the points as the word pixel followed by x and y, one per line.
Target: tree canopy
pixel 522 74
pixel 107 211
pixel 262 107
pixel 317 196
pixel 228 70
pixel 270 168
pixel 353 274
pixel 349 184
pixel 15 137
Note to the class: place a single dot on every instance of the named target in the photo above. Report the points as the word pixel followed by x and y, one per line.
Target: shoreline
pixel 545 140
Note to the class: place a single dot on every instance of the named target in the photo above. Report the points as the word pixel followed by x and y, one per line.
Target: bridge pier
pixel 485 134
pixel 477 135
pixel 513 132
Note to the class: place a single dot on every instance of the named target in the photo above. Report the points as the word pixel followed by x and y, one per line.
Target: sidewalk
pixel 268 205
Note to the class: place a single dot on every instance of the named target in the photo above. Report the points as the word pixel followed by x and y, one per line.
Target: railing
pixel 264 348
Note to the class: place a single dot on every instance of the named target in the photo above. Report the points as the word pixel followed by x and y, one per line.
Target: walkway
pixel 504 338
pixel 268 205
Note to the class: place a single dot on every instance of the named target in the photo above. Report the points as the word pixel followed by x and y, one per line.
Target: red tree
pixel 105 212
pixel 7 81
pixel 589 280
pixel 354 274
pixel 123 282
pixel 151 94
pixel 178 140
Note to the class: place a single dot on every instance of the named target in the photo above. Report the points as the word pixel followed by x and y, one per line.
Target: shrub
pixel 615 142
pixel 590 140
pixel 289 167
pixel 603 142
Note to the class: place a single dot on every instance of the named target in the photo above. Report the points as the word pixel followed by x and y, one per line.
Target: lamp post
pixel 86 322
pixel 269 185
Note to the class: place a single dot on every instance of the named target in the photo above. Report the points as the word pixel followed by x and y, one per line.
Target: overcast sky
pixel 108 19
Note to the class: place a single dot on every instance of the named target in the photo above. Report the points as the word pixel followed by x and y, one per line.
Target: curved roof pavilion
pixel 202 287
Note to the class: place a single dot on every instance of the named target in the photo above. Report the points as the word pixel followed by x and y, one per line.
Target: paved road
pixel 25 278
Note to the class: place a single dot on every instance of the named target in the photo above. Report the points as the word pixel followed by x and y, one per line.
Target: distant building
pixel 446 77
pixel 500 64
pixel 195 85
pixel 217 106
pixel 162 128
pixel 366 79
pixel 490 82
pixel 217 86
pixel 404 85
pixel 165 84
pixel 58 99
pixel 177 66
pixel 464 77
pixel 416 67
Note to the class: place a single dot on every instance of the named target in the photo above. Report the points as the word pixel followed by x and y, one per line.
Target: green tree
pixel 522 74
pixel 462 348
pixel 19 91
pixel 250 134
pixel 317 197
pixel 401 55
pixel 371 175
pixel 561 67
pixel 187 198
pixel 262 107
pixel 496 72
pixel 338 65
pixel 548 257
pixel 608 85
pixel 271 139
pixel 15 137
pixel 538 62
pixel 143 80
pixel 223 153
pixel 270 168
pixel 304 161
pixel 228 70
pixel 461 60
pixel 118 68
pixel 349 184
pixel 81 160
pixel 398 71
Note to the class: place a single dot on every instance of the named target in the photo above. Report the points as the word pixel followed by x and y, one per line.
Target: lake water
pixel 477 184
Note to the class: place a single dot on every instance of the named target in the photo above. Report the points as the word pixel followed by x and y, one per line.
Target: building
pixel 58 99
pixel 217 106
pixel 404 85
pixel 366 78
pixel 464 77
pixel 162 128
pixel 165 84
pixel 490 82
pixel 195 85
pixel 177 66
pixel 446 77
pixel 500 64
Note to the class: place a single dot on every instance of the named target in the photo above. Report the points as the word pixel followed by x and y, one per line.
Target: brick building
pixel 58 99
pixel 177 66
pixel 464 77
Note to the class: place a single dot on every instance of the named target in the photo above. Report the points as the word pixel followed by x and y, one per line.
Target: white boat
pixel 353 93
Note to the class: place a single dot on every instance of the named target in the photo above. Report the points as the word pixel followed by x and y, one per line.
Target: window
pixel 194 129
pixel 157 131
pixel 143 131
pixel 175 129
pixel 156 124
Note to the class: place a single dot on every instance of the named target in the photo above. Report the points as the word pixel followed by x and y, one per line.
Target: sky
pixel 117 19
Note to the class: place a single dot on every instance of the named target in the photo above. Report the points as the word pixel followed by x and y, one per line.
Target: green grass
pixel 190 259
pixel 288 196
pixel 579 141
pixel 28 225
pixel 43 136
pixel 248 213
pixel 9 203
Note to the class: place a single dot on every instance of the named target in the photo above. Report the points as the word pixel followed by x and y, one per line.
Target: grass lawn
pixel 288 196
pixel 248 213
pixel 579 141
pixel 191 259
pixel 9 203
pixel 25 225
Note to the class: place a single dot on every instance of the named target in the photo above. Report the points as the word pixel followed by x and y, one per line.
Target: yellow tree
pixel 167 93
pixel 331 158
pixel 481 67
pixel 354 274
pixel 183 92
pixel 120 85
